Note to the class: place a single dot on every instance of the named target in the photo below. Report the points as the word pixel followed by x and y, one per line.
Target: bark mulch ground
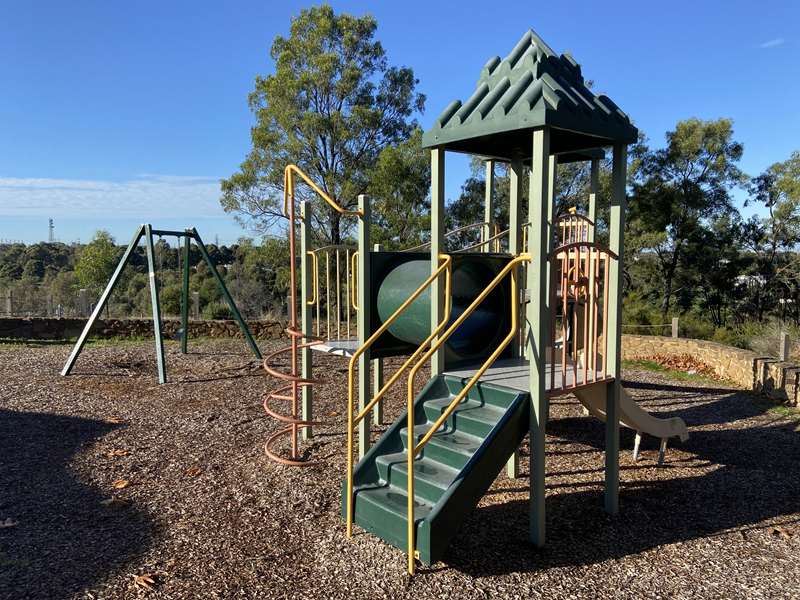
pixel 114 487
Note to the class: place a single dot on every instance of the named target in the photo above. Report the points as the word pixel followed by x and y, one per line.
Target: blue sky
pixel 112 114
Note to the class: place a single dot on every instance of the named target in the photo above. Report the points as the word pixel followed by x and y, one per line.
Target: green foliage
pixel 331 106
pixel 217 311
pixel 678 190
pixel 96 262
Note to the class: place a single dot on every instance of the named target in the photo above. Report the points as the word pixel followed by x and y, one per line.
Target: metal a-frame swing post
pixel 187 240
pixel 226 294
pixel 76 350
pixel 151 269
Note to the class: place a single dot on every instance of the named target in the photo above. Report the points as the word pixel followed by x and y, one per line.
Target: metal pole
pixel 594 187
pixel 538 327
pixel 306 281
pixel 437 247
pixel 614 327
pixel 515 248
pixel 76 350
pixel 226 294
pixel 377 377
pixel 363 291
pixel 154 303
pixel 187 240
pixel 488 207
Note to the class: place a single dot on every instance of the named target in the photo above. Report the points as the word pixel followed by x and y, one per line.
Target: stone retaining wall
pixel 62 329
pixel 750 371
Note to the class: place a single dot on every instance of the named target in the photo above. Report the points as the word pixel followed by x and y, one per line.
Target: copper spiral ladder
pixel 290 392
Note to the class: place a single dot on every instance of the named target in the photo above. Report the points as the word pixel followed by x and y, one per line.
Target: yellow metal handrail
pixel 288 192
pixel 446 268
pixel 413 447
pixel 353 273
pixel 314 278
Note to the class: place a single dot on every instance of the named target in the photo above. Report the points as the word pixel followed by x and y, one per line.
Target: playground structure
pixel 533 314
pixel 185 237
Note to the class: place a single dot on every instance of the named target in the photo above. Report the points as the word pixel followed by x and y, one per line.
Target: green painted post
pixel 538 325
pixel 614 326
pixel 488 207
pixel 594 188
pixel 187 240
pixel 515 175
pixel 437 247
pixel 226 294
pixel 377 377
pixel 363 291
pixel 306 282
pixel 156 306
pixel 76 350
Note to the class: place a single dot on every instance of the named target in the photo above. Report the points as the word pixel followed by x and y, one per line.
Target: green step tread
pixel 431 477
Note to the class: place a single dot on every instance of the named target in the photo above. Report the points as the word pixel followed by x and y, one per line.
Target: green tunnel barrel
pixel 482 331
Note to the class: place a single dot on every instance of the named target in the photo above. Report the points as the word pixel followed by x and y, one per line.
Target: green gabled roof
pixel 530 88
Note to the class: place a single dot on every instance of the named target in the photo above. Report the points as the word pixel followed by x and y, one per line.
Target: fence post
pixel 9 303
pixel 195 305
pixel 675 327
pixel 83 302
pixel 783 350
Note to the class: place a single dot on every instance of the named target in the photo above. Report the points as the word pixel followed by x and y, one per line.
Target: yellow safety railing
pixel 354 275
pixel 414 447
pixel 288 192
pixel 446 268
pixel 314 278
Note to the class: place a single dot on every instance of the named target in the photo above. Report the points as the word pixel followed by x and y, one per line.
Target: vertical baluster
pixel 575 301
pixel 585 313
pixel 338 298
pixel 319 319
pixel 347 283
pixel 596 311
pixel 328 290
pixel 564 317
pixel 605 315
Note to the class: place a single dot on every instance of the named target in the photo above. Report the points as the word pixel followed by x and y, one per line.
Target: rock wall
pixel 63 329
pixel 750 371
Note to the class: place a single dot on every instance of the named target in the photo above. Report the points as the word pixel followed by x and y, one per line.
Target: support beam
pixel 76 350
pixel 614 326
pixel 227 295
pixel 594 189
pixel 377 378
pixel 306 293
pixel 488 208
pixel 187 240
pixel 437 247
pixel 515 176
pixel 151 269
pixel 538 325
pixel 363 292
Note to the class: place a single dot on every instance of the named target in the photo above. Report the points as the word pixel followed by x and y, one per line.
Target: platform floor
pixel 514 373
pixel 345 347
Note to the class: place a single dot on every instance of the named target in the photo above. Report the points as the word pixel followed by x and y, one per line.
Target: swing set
pixel 185 239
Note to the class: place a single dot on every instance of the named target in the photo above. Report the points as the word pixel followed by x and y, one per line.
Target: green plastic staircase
pixel 451 474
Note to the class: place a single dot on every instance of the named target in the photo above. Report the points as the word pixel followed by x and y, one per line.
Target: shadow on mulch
pixel 758 479
pixel 65 540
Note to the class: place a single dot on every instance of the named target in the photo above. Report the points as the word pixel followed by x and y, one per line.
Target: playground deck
pixel 514 373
